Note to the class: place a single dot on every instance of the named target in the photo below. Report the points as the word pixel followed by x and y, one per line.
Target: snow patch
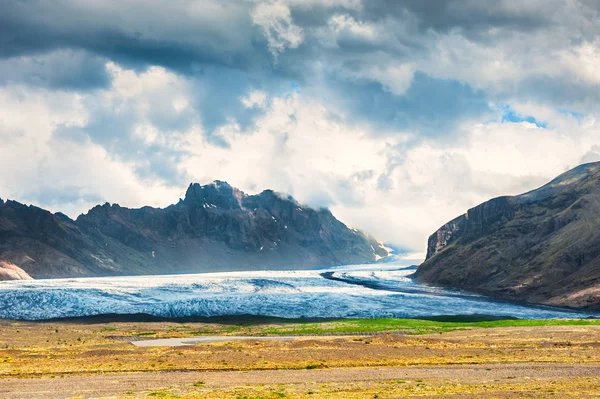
pixel 389 250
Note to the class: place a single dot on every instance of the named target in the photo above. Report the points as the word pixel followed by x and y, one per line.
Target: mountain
pixel 8 271
pixel 214 228
pixel 540 247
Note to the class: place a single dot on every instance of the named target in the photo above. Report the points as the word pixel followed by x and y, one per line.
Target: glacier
pixel 361 291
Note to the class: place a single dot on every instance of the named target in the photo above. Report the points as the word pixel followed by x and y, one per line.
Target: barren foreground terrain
pixel 388 359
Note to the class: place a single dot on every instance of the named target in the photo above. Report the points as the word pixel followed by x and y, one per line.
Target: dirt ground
pixel 91 360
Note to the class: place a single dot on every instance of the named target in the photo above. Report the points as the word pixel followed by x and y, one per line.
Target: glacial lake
pixel 359 291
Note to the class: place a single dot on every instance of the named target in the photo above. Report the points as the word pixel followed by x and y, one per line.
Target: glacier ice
pixel 355 292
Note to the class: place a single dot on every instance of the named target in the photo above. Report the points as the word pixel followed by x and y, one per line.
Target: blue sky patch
pixel 509 115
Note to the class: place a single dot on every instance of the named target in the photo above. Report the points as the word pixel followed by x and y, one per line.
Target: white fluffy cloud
pixel 396 188
pixel 69 174
pixel 276 22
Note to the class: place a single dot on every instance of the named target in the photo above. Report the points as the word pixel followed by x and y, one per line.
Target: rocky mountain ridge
pixel 216 227
pixel 540 247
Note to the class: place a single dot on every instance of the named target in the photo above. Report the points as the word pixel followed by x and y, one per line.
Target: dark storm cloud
pixel 469 15
pixel 594 4
pixel 432 107
pixel 218 46
pixel 575 95
pixel 63 69
pixel 135 33
pixel 218 92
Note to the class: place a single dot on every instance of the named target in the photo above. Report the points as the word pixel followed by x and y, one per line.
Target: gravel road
pixel 106 385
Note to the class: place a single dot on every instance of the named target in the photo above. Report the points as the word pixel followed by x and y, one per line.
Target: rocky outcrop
pixel 9 271
pixel 214 228
pixel 540 247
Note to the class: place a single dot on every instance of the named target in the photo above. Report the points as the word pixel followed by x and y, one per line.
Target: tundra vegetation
pixel 377 358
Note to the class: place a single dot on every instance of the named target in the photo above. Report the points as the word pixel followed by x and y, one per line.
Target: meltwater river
pixel 360 291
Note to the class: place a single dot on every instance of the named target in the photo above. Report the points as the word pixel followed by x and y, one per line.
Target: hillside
pixel 8 271
pixel 540 247
pixel 214 228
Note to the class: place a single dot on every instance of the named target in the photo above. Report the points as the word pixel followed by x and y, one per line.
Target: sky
pixel 396 115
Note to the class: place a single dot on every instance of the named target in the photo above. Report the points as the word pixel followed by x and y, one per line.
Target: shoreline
pixel 249 319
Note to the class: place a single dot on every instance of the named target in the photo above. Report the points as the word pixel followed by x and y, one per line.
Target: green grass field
pixel 261 326
pixel 412 326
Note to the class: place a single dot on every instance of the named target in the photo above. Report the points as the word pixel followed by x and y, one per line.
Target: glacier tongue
pixel 347 292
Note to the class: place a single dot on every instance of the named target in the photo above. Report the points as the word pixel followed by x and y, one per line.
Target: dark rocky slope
pixel 540 247
pixel 215 228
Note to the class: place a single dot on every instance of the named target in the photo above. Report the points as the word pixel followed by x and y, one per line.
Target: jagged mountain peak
pixel 219 185
pixel 218 194
pixel 216 227
pixel 104 208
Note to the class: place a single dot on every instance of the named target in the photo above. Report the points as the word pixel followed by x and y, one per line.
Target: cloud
pixel 59 173
pixel 179 36
pixel 60 69
pixel 276 22
pixel 397 115
pixel 592 155
pixel 297 145
pixel 468 15
pixel 427 107
pixel 501 48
